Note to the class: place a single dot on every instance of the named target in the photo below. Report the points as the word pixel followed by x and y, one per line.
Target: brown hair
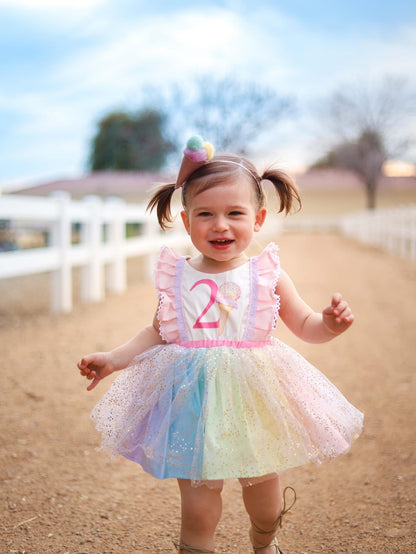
pixel 217 171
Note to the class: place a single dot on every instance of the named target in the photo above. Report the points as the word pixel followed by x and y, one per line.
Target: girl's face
pixel 221 222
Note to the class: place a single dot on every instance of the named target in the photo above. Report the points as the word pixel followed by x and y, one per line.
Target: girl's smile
pixel 221 243
pixel 221 222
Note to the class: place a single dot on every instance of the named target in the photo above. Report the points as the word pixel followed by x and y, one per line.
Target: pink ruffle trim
pixel 268 302
pixel 164 279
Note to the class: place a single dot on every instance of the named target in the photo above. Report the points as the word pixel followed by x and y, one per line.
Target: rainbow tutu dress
pixel 222 398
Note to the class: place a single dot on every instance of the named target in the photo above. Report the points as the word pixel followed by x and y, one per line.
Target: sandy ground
pixel 59 494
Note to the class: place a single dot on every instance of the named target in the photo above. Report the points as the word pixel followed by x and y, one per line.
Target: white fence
pixel 96 218
pixel 103 261
pixel 391 229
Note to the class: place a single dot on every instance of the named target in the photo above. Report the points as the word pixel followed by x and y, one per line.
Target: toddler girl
pixel 208 393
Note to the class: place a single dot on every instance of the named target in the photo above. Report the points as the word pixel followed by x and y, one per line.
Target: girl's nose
pixel 220 224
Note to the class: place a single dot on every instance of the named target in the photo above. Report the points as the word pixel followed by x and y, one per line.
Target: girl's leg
pixel 264 505
pixel 201 512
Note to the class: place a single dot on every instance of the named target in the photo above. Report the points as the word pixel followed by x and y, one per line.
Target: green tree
pixel 129 141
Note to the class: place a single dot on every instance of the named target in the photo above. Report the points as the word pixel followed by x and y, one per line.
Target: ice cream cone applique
pixel 196 153
pixel 228 294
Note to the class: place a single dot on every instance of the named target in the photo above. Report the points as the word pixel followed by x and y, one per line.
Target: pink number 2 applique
pixel 214 290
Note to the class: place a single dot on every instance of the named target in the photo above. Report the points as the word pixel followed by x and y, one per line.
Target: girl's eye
pixel 204 214
pixel 236 212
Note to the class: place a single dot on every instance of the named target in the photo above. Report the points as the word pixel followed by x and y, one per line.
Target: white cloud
pixel 161 49
pixel 264 47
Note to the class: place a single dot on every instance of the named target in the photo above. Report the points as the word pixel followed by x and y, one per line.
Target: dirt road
pixel 59 494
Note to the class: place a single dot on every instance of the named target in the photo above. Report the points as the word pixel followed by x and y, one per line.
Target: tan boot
pixel 274 543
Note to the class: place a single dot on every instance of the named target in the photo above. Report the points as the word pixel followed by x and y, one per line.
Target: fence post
pixel 150 230
pixel 61 279
pixel 412 232
pixel 116 234
pixel 92 278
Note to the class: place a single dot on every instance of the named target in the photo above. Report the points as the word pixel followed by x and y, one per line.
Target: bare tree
pixel 365 157
pixel 229 113
pixel 367 126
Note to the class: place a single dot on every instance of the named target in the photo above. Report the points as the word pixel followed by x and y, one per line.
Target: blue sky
pixel 63 64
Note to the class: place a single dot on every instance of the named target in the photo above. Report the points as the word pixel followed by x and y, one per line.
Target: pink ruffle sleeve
pixel 268 302
pixel 164 280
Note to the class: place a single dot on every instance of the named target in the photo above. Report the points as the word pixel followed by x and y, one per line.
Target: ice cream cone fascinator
pixel 196 153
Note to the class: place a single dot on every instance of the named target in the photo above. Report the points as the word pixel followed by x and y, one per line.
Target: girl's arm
pixel 306 324
pixel 98 365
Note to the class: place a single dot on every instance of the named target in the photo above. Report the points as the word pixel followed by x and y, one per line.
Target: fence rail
pixel 392 229
pixel 103 260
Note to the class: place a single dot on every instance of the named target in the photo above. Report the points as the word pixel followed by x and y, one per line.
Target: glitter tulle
pixel 223 398
pixel 217 413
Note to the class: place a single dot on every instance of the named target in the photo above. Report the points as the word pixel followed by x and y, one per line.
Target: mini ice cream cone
pixel 186 169
pixel 228 294
pixel 196 153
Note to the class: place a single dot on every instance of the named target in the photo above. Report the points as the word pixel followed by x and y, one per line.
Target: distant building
pixel 136 186
pixel 131 185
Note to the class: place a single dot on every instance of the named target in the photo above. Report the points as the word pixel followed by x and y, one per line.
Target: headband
pixel 198 153
pixel 239 164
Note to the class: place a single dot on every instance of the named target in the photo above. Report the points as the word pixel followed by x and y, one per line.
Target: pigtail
pixel 285 187
pixel 161 200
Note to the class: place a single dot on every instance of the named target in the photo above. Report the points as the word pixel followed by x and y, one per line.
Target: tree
pixel 128 141
pixel 365 158
pixel 367 126
pixel 229 113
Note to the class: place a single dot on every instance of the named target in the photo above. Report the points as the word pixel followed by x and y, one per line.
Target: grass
pixel 338 201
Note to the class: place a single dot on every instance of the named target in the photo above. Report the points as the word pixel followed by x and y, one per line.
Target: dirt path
pixel 59 494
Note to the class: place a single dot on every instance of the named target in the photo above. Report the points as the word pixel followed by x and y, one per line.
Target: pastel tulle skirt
pixel 222 412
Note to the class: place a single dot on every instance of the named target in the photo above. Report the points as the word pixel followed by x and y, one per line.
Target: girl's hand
pixel 337 317
pixel 95 367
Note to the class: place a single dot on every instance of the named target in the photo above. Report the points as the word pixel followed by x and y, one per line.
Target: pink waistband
pixel 233 343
